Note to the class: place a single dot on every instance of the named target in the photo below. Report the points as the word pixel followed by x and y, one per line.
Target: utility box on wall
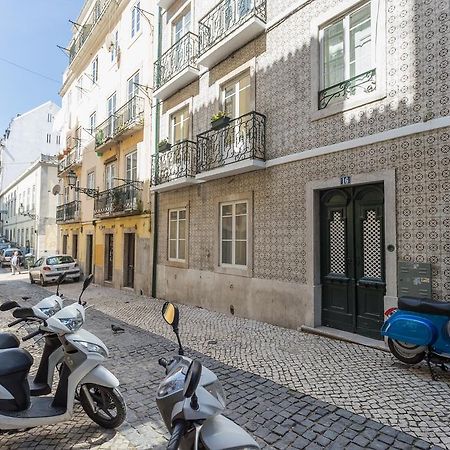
pixel 414 279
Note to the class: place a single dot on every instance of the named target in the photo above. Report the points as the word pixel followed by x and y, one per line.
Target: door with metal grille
pixel 352 259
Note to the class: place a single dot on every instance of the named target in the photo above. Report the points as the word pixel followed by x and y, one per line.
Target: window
pixel 49 138
pixel 58 139
pixel 91 180
pixel 49 117
pixel 133 86
pixel 131 166
pixel 94 70
pixel 135 19
pixel 181 26
pixel 115 46
pixel 80 88
pixel 110 174
pixel 92 122
pixel 33 196
pixel 111 108
pixel 177 234
pixel 236 97
pixel 233 234
pixel 346 52
pixel 179 125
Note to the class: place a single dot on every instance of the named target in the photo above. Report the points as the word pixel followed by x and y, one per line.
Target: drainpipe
pixel 155 195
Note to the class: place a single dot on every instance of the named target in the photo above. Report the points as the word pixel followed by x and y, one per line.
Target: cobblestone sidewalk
pixel 278 415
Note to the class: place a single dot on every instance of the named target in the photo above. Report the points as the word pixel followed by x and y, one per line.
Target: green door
pixel 352 259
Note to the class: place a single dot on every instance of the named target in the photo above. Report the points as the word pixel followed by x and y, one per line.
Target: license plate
pixel 61 268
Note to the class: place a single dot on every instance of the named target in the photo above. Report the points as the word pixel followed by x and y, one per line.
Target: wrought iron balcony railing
pixel 86 28
pixel 243 138
pixel 224 18
pixel 361 84
pixel 181 55
pixel 178 162
pixel 124 118
pixel 68 211
pixel 123 199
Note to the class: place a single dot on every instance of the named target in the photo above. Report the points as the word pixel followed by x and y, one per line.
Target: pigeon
pixel 25 297
pixel 116 329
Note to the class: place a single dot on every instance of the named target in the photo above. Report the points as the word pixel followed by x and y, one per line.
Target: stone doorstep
pixel 333 333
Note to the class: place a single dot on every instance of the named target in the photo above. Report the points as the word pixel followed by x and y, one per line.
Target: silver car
pixel 47 269
pixel 7 253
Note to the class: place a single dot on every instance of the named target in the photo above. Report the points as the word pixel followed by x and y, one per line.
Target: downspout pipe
pixel 155 195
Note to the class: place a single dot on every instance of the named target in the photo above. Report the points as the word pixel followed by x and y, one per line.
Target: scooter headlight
pixel 171 384
pixel 72 323
pixel 93 348
pixel 216 390
pixel 49 312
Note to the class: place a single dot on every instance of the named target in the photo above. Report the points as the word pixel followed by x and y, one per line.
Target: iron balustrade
pixel 224 18
pixel 68 211
pixel 181 55
pixel 242 138
pixel 125 117
pixel 86 28
pixel 178 162
pixel 119 200
pixel 362 83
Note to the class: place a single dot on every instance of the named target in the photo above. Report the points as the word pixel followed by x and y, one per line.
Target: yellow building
pixel 104 203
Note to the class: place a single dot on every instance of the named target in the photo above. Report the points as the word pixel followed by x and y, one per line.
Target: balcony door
pixel 181 26
pixel 131 175
pixel 111 107
pixel 133 89
pixel 110 174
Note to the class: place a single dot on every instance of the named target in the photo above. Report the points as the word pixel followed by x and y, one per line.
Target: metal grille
pixel 337 244
pixel 372 245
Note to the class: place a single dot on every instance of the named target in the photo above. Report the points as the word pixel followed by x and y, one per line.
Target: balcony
pixel 229 26
pixel 177 67
pixel 127 119
pixel 174 168
pixel 85 30
pixel 119 201
pixel 69 212
pixel 165 4
pixel 73 158
pixel 238 147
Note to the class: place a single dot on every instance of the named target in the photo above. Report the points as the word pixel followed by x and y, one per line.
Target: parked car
pixel 6 255
pixel 47 269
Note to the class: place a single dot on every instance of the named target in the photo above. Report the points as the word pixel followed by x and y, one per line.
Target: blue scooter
pixel 419 328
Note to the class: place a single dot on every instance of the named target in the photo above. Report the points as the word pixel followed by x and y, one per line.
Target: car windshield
pixel 11 252
pixel 52 261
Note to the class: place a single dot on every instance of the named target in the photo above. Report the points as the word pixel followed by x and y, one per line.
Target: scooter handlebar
pixel 31 335
pixel 178 432
pixel 15 322
pixel 163 362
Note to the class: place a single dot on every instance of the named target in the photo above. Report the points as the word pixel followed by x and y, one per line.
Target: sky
pixel 30 31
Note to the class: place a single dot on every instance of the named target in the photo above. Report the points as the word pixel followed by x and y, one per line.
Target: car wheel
pixel 32 279
pixel 41 278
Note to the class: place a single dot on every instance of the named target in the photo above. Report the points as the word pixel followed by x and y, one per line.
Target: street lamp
pixel 72 183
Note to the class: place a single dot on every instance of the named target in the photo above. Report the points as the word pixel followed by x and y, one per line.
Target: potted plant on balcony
pixel 60 156
pixel 219 120
pixel 66 151
pixel 164 145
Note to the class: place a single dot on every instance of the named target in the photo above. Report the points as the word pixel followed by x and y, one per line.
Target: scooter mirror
pixel 61 278
pixel 170 314
pixel 23 313
pixel 9 305
pixel 88 281
pixel 192 379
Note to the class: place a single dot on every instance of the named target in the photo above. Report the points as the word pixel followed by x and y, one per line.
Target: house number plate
pixel 346 180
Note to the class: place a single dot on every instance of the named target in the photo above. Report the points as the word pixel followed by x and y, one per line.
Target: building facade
pixel 28 135
pixel 104 206
pixel 28 208
pixel 326 168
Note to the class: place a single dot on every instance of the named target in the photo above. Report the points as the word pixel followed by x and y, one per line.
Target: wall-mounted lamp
pixel 72 182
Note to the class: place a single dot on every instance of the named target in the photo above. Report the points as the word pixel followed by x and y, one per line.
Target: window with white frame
pixel 179 125
pixel 234 234
pixel 181 26
pixel 91 180
pixel 236 96
pixel 131 166
pixel 133 85
pixel 94 70
pixel 93 122
pixel 49 138
pixel 114 46
pixel 58 139
pixel 110 175
pixel 135 19
pixel 177 235
pixel 80 88
pixel 347 55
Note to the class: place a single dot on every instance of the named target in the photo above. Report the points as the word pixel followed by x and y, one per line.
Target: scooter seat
pixel 14 360
pixel 8 340
pixel 424 306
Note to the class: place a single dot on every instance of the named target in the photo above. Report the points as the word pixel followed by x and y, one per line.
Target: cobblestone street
pixel 289 389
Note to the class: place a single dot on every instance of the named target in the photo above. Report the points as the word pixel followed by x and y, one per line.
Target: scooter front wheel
pixel 405 352
pixel 110 409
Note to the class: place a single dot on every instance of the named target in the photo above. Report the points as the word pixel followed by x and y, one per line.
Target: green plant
pixel 218 115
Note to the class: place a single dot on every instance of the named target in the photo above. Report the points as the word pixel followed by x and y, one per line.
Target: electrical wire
pixel 29 70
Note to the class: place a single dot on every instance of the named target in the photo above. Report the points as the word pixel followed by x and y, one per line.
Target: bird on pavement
pixel 116 329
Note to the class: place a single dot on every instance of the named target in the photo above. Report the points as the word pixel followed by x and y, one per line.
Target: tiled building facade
pixel 258 221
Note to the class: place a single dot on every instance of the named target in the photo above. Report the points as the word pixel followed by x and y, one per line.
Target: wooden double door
pixel 353 259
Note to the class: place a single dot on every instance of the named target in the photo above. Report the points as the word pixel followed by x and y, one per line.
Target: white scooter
pixel 53 353
pixel 190 400
pixel 81 369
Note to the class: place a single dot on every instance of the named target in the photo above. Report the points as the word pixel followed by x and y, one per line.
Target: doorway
pixel 109 256
pixel 129 261
pixel 89 253
pixel 64 244
pixel 352 259
pixel 75 246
